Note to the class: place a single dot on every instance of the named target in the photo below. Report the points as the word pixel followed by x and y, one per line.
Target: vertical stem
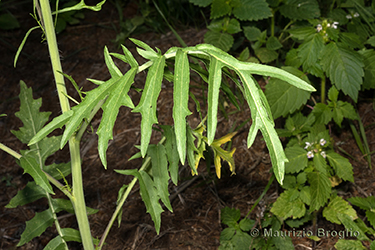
pixel 78 196
pixel 54 54
pixel 77 200
pixel 323 90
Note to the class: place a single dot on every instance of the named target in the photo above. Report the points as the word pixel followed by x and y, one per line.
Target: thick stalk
pixel 78 197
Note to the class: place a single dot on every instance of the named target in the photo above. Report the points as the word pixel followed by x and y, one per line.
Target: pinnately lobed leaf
pixel 180 101
pixel 148 102
pixel 149 195
pixel 262 118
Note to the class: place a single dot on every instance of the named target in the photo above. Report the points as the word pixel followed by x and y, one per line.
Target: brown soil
pixel 195 222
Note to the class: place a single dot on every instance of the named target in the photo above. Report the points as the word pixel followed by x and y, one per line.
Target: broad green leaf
pixel 265 55
pixel 298 222
pixel 344 244
pixel 172 152
pixel 341 165
pixel 160 172
pixel 320 163
pixel 333 94
pixel 348 222
pixel 56 243
pixel 300 9
pixel 221 40
pixel 298 123
pixel 149 195
pixel 227 234
pixel 292 59
pixel 342 110
pixel 323 114
pixel 351 39
pixel 320 187
pixel 241 240
pixel 36 226
pixel 246 224
pixel 283 242
pixel 273 43
pixel 251 33
pixel 220 8
pixel 371 41
pixel 31 166
pixel 302 33
pixel 31 192
pixel 290 182
pixel 305 195
pixel 287 206
pixel 214 82
pixel 147 104
pixel 284 98
pixel 369 61
pixel 233 26
pixel 338 206
pixel 371 217
pixel 29 114
pixel 118 97
pixel 201 3
pixel 297 159
pixel 180 101
pixel 251 10
pixel 308 52
pixel 367 203
pixel 344 67
pixel 230 216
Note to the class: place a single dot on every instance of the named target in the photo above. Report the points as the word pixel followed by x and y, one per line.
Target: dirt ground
pixel 195 222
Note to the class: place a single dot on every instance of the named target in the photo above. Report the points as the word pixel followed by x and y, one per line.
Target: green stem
pixel 49 177
pixel 49 29
pixel 323 90
pixel 78 200
pixel 10 151
pixel 144 166
pixel 262 195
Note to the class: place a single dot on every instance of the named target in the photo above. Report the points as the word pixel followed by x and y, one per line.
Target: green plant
pixel 110 95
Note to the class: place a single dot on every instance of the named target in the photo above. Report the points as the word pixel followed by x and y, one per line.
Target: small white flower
pixel 319 27
pixel 322 142
pixel 308 144
pixel 334 25
pixel 356 14
pixel 349 16
pixel 323 154
pixel 310 154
